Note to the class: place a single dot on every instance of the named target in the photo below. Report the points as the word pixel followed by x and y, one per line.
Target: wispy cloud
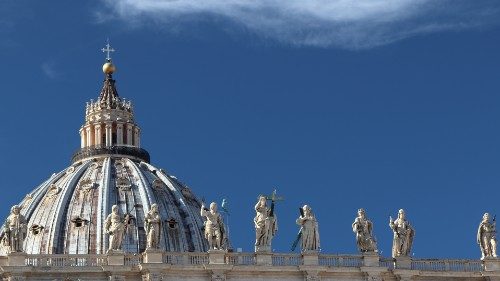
pixel 353 24
pixel 49 69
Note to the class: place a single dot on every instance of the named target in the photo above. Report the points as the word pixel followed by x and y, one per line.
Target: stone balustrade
pixel 272 266
pixel 341 260
pixel 286 260
pixel 447 265
pixel 65 260
pixel 247 259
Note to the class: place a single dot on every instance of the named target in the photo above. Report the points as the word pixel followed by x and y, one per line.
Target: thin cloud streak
pixel 351 24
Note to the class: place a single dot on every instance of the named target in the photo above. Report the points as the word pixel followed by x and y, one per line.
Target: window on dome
pixel 172 223
pixel 36 229
pixel 79 222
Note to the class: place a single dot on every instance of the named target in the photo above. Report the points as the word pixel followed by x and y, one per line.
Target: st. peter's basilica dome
pixel 66 213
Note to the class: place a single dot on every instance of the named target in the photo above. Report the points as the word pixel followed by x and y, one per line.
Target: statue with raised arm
pixel 486 237
pixel 309 232
pixel 363 228
pixel 115 225
pixel 266 225
pixel 153 227
pixel 403 235
pixel 214 226
pixel 15 230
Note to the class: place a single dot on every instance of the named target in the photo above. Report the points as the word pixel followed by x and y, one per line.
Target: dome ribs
pixel 194 205
pixel 71 206
pixel 75 218
pixel 84 201
pixel 127 203
pixel 103 207
pixel 144 198
pixel 30 210
pixel 139 222
pixel 188 216
pixel 93 231
pixel 168 210
pixel 47 217
pixel 58 229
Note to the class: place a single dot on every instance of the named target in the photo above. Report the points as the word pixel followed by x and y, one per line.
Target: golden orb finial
pixel 108 68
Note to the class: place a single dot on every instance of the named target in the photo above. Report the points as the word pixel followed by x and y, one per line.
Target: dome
pixel 66 213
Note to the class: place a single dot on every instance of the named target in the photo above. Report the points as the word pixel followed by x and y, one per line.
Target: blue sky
pixel 378 104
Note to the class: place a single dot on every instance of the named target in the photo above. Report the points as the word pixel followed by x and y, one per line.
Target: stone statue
pixel 115 225
pixel 266 225
pixel 486 237
pixel 309 232
pixel 363 228
pixel 403 235
pixel 153 226
pixel 214 227
pixel 15 230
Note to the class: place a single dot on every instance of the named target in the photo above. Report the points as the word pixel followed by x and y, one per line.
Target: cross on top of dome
pixel 108 50
pixel 108 68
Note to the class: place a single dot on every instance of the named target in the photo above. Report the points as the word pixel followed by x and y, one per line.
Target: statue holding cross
pixel 266 224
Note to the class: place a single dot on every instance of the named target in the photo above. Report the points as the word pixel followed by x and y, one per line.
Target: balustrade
pixel 447 265
pixel 286 260
pixel 340 261
pixel 66 260
pixel 245 259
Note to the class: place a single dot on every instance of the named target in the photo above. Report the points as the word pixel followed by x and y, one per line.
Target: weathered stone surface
pixel 215 232
pixel 363 228
pixel 309 230
pixel 486 237
pixel 217 256
pixel 403 235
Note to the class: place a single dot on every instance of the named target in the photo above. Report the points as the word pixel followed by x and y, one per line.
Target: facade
pixel 112 215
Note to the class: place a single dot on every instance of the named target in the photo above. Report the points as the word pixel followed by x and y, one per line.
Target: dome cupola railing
pixel 118 151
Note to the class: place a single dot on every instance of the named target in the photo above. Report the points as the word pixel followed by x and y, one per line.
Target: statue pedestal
pixel 371 259
pixel 153 256
pixel 310 258
pixel 264 258
pixel 216 256
pixel 264 249
pixel 491 264
pixel 116 257
pixel 17 259
pixel 403 263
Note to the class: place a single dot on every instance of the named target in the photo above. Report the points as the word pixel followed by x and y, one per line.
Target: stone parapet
pixel 220 265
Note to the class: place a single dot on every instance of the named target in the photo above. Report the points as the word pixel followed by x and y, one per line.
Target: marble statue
pixel 403 235
pixel 486 237
pixel 15 230
pixel 363 228
pixel 115 225
pixel 153 226
pixel 309 232
pixel 266 225
pixel 214 226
